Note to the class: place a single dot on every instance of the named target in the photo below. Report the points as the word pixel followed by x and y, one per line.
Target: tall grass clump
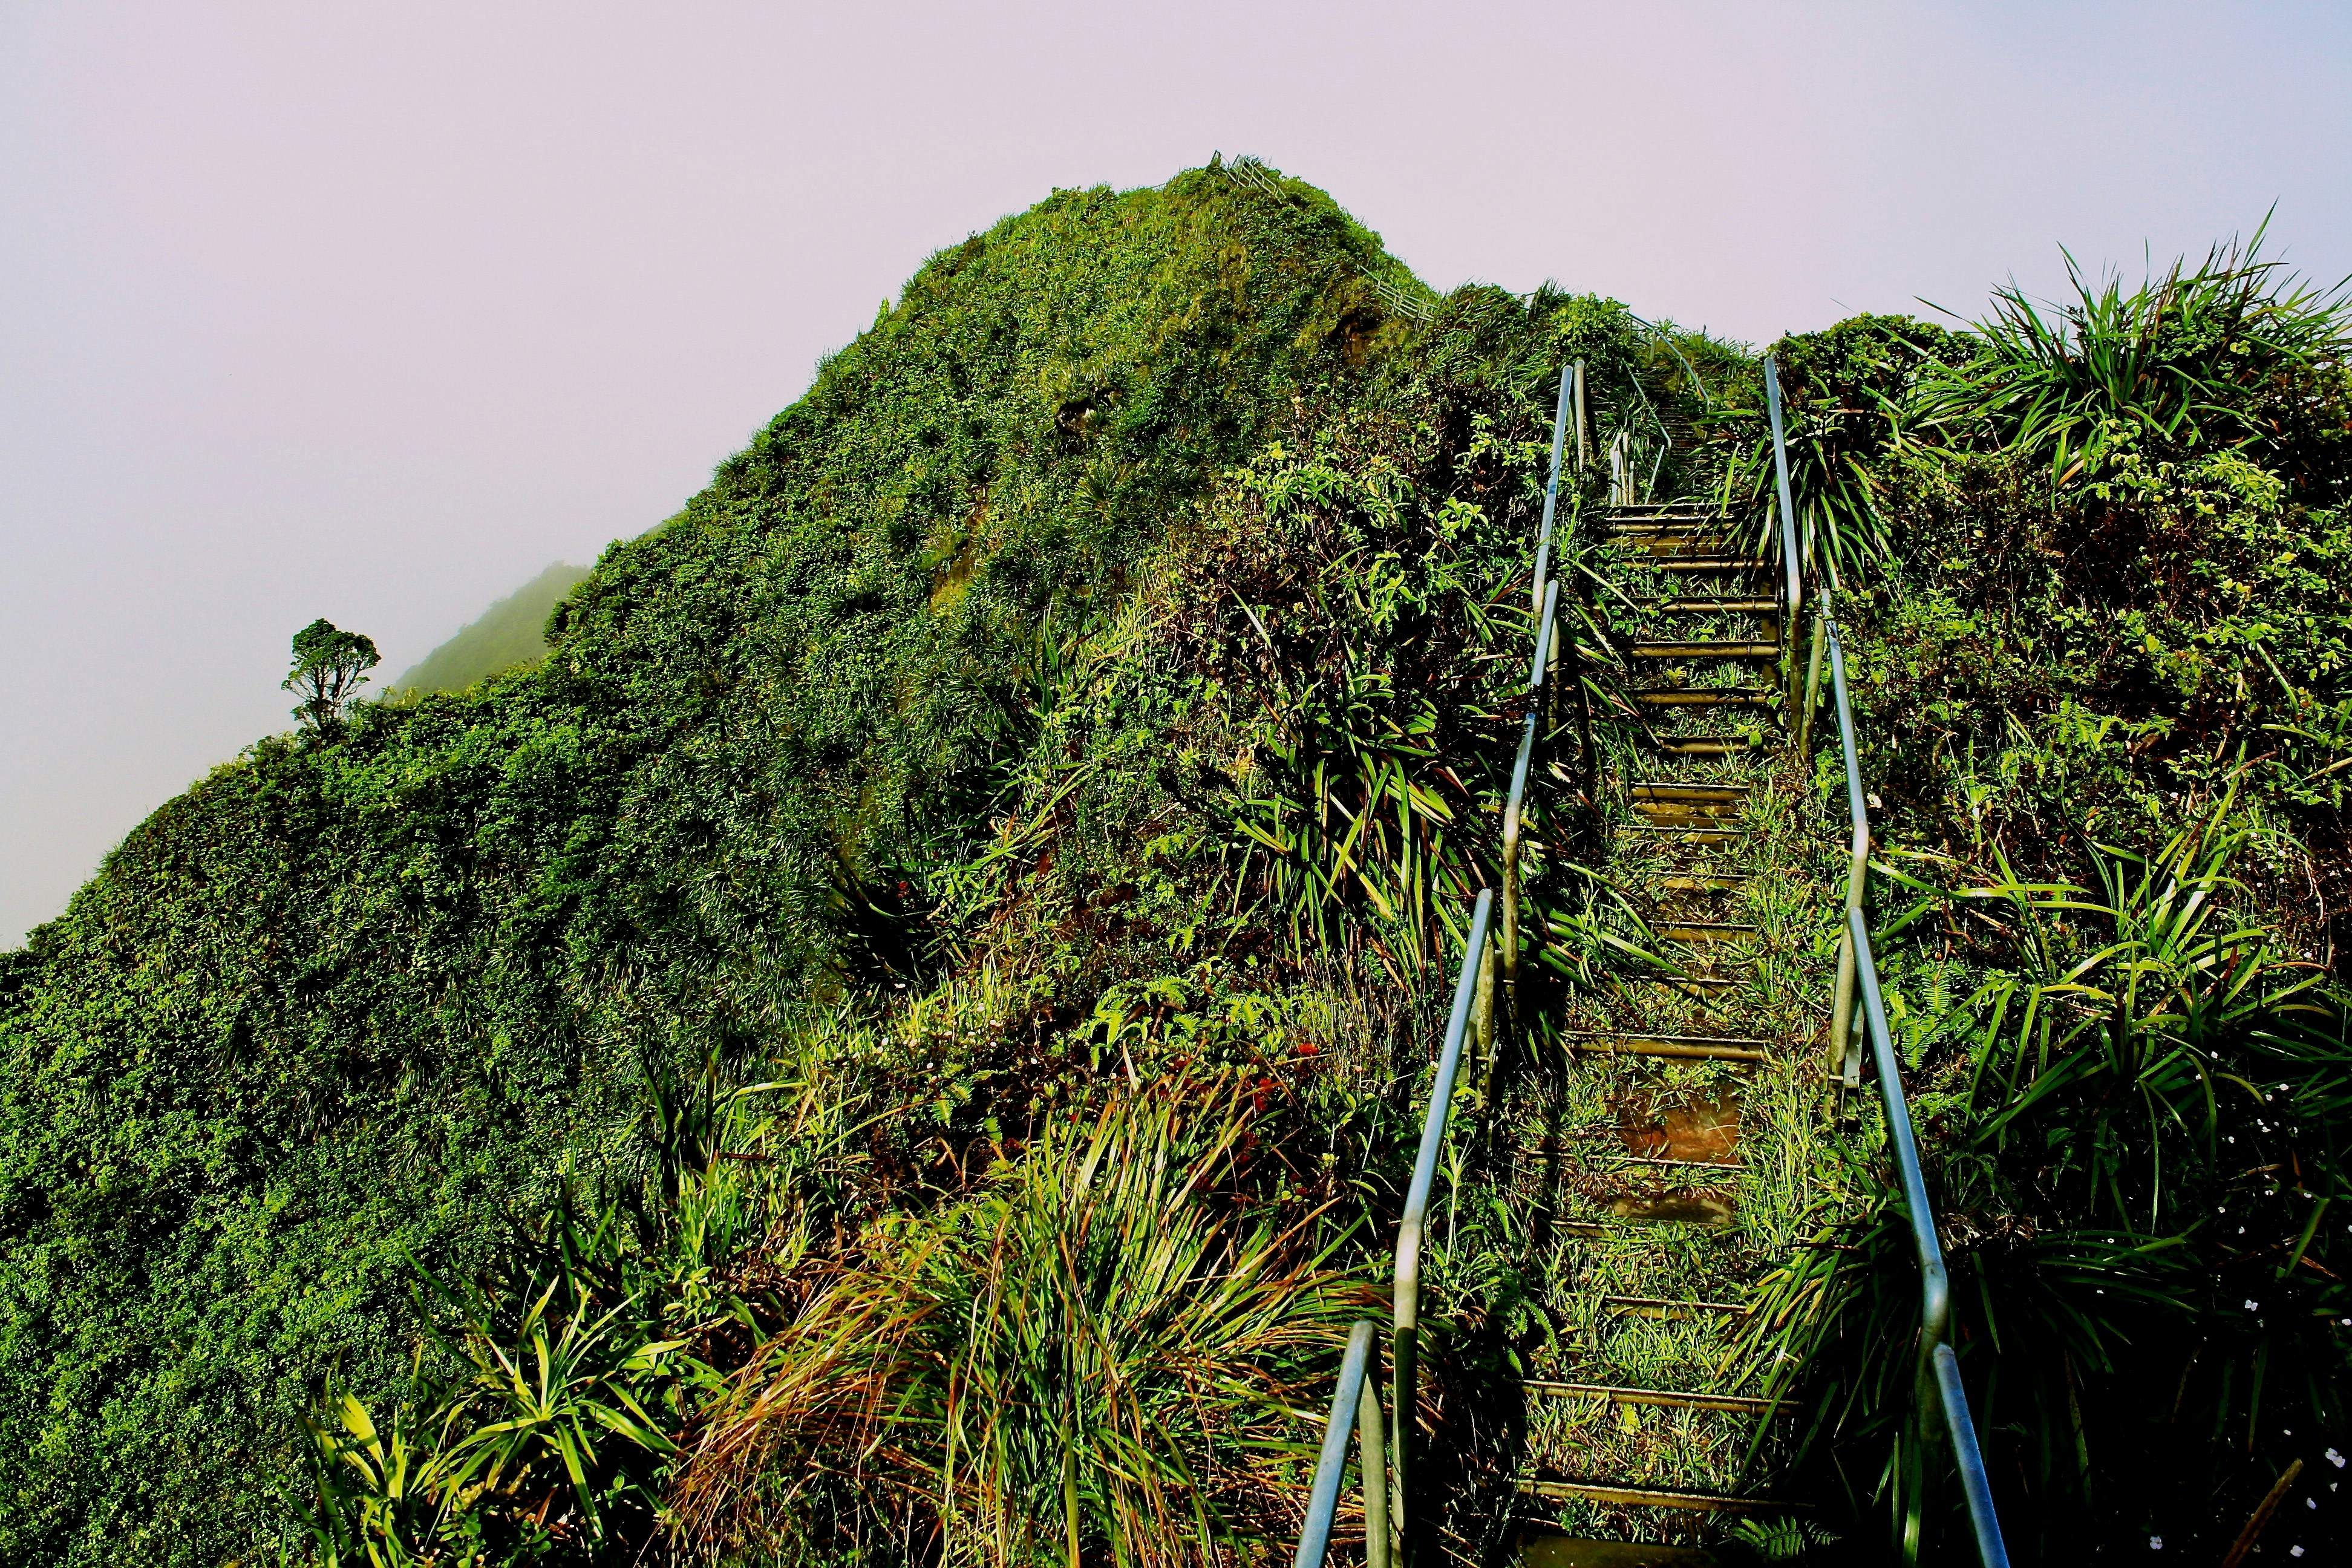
pixel 1096 1358
pixel 2137 1114
pixel 2203 357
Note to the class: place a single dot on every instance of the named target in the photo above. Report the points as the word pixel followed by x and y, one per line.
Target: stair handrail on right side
pixel 1939 1367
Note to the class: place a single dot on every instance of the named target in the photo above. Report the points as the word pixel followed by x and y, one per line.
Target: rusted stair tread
pixel 1706 882
pixel 1667 1309
pixel 1571 1552
pixel 1671 1398
pixel 1706 697
pixel 1683 1165
pixel 1714 1047
pixel 1670 789
pixel 1657 1496
pixel 1702 931
pixel 1706 650
pixel 1709 563
pixel 1707 605
pixel 1690 835
pixel 1704 745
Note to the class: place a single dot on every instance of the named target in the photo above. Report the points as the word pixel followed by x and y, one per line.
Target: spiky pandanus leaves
pixel 2215 356
pixel 547 1443
pixel 1844 396
pixel 2131 1165
pixel 1095 1358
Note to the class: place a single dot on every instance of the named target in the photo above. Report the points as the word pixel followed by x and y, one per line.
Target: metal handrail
pixel 1387 1507
pixel 1357 1392
pixel 1939 1372
pixel 1405 1341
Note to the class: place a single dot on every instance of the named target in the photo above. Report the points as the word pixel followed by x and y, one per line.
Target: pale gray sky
pixel 372 311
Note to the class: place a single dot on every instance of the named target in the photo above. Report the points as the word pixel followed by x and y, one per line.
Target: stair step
pixel 1677 546
pixel 1706 882
pixel 1703 745
pixel 1685 835
pixel 1668 1309
pixel 1670 1398
pixel 1706 605
pixel 1683 1164
pixel 1712 1048
pixel 1706 697
pixel 1696 984
pixel 1684 814
pixel 1662 789
pixel 1702 930
pixel 1566 1552
pixel 1706 650
pixel 1710 564
pixel 1626 1496
pixel 1627 1225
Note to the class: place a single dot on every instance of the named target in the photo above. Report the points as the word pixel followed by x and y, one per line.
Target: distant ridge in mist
pixel 511 632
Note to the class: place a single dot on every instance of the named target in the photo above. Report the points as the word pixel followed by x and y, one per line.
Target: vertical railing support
pixel 1791 560
pixel 1515 802
pixel 1845 1042
pixel 1813 689
pixel 1580 417
pixel 1372 1456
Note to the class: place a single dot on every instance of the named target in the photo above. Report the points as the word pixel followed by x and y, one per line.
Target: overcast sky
pixel 373 311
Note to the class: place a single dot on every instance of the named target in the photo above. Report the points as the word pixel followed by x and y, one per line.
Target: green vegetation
pixel 511 632
pixel 2101 663
pixel 898 1038
pixel 329 666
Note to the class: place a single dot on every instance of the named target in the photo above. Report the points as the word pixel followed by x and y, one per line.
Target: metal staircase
pixel 1653 1435
pixel 1681 1101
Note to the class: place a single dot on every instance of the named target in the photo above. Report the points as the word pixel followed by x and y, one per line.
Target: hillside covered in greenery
pixel 898 1039
pixel 513 631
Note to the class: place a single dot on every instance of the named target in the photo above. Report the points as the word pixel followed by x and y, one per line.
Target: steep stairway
pixel 1679 1122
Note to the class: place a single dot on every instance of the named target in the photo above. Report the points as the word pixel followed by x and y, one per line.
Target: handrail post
pixel 1845 1042
pixel 1812 689
pixel 1792 561
pixel 1405 1358
pixel 1371 1457
pixel 1514 804
pixel 1579 416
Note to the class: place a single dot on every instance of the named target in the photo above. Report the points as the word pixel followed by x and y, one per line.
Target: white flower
pixel 2333 1457
pixel 2254 1306
pixel 2155 1544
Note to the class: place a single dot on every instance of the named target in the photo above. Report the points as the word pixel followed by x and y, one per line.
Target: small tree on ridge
pixel 329 666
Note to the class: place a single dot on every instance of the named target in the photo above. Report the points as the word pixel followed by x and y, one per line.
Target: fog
pixel 305 313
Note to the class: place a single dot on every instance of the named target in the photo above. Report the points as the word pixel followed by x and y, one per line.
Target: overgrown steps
pixel 1646 1433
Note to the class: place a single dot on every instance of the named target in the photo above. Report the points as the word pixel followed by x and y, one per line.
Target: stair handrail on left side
pixel 1939 1367
pixel 1387 1506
